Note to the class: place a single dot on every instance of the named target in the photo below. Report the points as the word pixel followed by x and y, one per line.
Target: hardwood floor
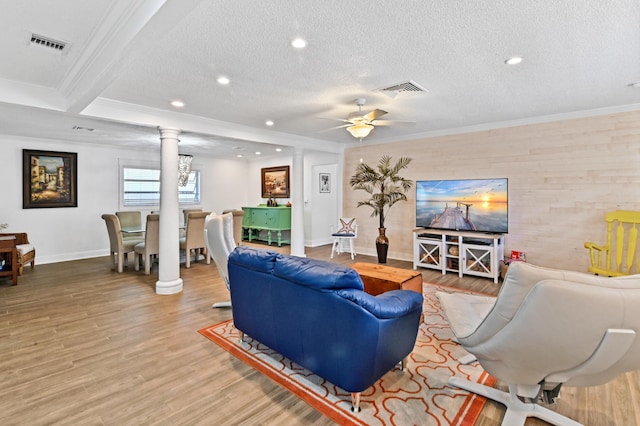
pixel 81 344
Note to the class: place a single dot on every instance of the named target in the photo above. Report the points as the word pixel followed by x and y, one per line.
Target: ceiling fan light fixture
pixel 360 130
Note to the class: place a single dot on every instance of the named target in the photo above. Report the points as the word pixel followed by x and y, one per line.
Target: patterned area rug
pixel 419 395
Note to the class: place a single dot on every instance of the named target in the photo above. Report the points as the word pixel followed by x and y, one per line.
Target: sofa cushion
pixel 391 304
pixel 254 259
pixel 316 273
pixel 24 248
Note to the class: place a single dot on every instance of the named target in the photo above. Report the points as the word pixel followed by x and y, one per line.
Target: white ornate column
pixel 297 202
pixel 169 281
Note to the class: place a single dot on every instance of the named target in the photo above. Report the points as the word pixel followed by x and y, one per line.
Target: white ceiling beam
pixel 123 112
pixel 124 29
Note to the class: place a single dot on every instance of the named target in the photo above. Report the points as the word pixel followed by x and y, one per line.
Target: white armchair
pixel 545 329
pixel 218 235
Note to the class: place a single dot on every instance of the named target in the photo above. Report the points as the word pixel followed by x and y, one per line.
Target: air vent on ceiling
pixel 405 87
pixel 47 42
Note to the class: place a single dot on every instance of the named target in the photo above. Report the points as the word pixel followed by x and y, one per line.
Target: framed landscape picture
pixel 275 182
pixel 49 179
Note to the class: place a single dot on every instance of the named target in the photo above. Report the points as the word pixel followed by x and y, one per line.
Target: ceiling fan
pixel 360 124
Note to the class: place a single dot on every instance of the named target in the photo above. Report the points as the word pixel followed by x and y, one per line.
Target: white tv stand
pixel 464 252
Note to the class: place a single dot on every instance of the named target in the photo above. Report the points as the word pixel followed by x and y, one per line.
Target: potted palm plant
pixel 385 187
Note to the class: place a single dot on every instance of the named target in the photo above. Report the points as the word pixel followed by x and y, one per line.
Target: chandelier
pixel 184 168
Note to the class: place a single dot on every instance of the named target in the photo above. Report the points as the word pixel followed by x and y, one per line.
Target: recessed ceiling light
pixel 177 104
pixel 223 80
pixel 239 155
pixel 278 149
pixel 269 122
pixel 299 43
pixel 513 60
pixel 258 153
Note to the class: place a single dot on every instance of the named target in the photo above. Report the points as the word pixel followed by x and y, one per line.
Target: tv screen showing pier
pixel 463 205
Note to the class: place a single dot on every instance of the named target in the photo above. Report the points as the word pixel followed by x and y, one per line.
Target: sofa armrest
pixel 391 304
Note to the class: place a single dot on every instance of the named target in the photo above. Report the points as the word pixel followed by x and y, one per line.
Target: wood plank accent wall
pixel 563 177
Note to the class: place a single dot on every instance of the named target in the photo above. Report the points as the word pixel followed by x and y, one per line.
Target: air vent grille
pixel 405 87
pixel 47 42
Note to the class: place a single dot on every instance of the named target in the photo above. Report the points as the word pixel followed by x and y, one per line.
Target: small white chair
pixel 344 236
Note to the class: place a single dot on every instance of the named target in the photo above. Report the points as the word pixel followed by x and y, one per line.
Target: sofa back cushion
pixel 317 274
pixel 253 259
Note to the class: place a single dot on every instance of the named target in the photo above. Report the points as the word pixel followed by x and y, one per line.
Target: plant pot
pixel 382 245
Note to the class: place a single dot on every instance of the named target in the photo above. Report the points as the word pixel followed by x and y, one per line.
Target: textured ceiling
pixel 125 60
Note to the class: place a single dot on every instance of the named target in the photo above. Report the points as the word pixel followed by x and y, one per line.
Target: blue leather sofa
pixel 316 314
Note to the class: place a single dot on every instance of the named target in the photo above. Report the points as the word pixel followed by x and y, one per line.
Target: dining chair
pixel 131 220
pixel 151 244
pixel 237 224
pixel 118 246
pixel 186 212
pixel 193 239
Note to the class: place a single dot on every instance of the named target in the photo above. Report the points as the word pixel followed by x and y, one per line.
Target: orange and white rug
pixel 419 395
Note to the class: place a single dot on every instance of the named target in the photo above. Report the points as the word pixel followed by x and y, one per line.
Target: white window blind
pixel 141 187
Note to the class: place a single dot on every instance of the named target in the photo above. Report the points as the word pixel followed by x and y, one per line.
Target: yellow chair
pixel 622 240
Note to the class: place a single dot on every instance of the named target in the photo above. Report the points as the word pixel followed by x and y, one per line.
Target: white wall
pixel 224 183
pixel 314 235
pixel 61 234
pixel 563 177
pixel 320 225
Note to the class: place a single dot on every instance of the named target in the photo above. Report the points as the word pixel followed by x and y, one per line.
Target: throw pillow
pixel 347 228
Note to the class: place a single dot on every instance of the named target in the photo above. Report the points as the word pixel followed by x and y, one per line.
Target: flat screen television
pixel 463 205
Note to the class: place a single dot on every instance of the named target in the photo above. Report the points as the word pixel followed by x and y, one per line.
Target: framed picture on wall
pixel 325 182
pixel 275 182
pixel 49 179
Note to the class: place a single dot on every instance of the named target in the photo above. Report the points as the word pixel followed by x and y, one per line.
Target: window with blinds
pixel 141 187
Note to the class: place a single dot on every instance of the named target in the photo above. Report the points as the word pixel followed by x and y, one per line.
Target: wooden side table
pixel 9 254
pixel 378 279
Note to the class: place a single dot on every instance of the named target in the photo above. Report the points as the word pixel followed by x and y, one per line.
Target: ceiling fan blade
pixel 335 119
pixel 374 114
pixel 337 127
pixel 393 123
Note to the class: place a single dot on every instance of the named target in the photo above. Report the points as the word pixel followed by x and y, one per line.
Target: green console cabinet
pixel 267 219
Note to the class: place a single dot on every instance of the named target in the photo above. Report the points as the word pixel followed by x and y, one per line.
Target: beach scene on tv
pixel 463 205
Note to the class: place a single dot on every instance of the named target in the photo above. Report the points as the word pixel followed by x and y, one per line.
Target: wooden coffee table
pixel 379 278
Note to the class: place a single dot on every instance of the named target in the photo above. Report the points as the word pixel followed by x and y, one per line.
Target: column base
pixel 169 287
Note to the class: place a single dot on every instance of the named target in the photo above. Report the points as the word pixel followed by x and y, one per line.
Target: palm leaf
pixel 384 184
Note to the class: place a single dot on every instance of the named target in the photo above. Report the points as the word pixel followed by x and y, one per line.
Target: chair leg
pixel 517 411
pixel 147 264
pixel 353 252
pixel 333 247
pixel 355 402
pixel 187 255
